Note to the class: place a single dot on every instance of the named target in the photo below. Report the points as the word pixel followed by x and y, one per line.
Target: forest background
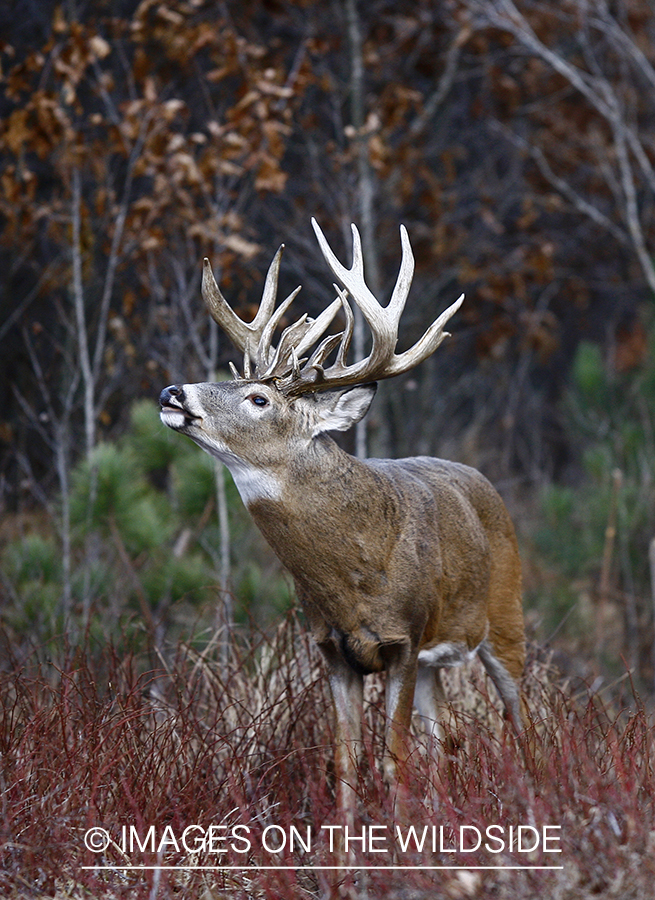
pixel 151 671
pixel 515 142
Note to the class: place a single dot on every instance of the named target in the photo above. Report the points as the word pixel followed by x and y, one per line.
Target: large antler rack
pixel 285 364
pixel 260 359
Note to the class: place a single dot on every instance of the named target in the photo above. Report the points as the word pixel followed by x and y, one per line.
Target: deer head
pixel 400 565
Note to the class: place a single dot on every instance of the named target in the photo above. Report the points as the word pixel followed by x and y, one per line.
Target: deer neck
pixel 332 515
pixel 320 480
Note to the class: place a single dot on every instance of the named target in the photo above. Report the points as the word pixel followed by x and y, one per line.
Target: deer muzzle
pixel 174 413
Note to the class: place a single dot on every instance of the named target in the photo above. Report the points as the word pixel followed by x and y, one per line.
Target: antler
pixel 254 339
pixel 383 361
pixel 284 363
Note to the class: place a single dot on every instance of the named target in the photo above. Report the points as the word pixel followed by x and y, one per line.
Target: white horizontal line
pixel 310 868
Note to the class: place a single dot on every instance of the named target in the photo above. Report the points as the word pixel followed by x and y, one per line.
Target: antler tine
pixel 321 353
pixel 352 279
pixel 318 326
pixel 265 350
pixel 220 311
pixel 383 321
pixel 348 330
pixel 269 294
pixel 382 362
pixel 405 275
pixel 242 334
pixel 426 345
pixel 295 339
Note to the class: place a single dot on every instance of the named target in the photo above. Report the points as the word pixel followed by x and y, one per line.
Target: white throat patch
pixel 253 484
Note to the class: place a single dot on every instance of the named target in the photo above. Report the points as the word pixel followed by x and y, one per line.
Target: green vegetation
pixel 595 531
pixel 144 543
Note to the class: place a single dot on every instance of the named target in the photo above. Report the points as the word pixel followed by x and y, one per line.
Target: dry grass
pixel 103 740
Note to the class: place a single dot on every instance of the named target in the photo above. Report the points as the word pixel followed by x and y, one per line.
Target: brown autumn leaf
pixel 99 46
pixel 238 244
pixel 16 132
pixel 631 347
pixel 269 176
pixel 269 86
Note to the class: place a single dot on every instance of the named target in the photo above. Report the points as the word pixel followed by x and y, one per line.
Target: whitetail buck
pixel 402 565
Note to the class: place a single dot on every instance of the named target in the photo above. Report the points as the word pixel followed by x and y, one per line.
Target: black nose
pixel 168 393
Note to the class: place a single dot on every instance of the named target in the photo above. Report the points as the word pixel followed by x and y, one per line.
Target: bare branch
pixel 80 313
pixel 631 206
pixel 444 85
pixel 561 185
pixel 602 95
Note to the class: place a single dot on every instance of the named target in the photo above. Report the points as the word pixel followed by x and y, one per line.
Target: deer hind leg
pixel 503 651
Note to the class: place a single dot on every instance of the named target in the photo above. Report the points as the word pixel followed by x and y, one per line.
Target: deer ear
pixel 338 410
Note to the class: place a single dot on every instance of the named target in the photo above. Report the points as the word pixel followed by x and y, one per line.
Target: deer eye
pixel 258 400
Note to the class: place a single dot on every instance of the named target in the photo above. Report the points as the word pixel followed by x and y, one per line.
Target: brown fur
pixel 398 564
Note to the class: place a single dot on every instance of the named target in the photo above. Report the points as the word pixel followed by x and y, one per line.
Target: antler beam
pixel 383 361
pixel 284 363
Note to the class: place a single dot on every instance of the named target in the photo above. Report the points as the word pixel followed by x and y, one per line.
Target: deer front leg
pixel 347 690
pixel 401 666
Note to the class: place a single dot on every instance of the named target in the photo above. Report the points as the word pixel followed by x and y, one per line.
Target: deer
pixel 405 566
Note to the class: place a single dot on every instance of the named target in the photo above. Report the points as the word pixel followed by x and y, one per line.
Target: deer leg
pixel 401 669
pixel 430 700
pixel 347 690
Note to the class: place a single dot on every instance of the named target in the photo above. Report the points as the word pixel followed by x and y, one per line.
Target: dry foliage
pixel 102 740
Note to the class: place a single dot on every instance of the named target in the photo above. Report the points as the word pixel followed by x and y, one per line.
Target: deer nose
pixel 173 390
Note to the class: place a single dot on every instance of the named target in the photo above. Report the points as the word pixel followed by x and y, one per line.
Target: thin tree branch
pixel 561 185
pixel 117 237
pixel 444 85
pixel 631 205
pixel 504 15
pixel 80 313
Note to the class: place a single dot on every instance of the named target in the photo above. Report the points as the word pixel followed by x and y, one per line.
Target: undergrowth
pixel 106 740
